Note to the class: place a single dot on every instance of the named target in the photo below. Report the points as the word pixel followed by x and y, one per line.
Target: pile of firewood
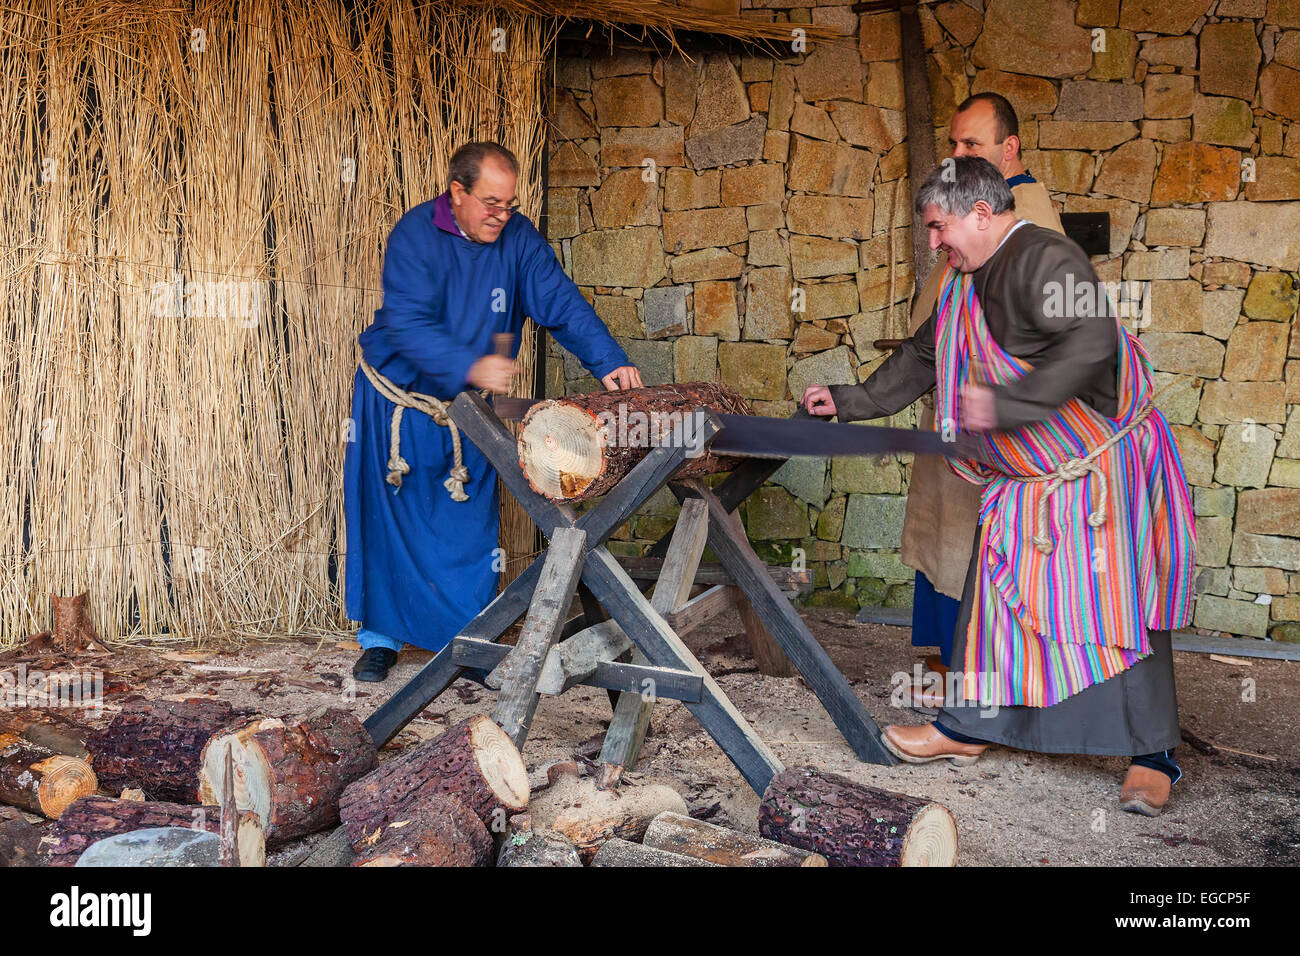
pixel 460 799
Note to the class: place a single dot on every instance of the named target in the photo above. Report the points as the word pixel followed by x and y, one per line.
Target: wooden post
pixel 631 719
pixel 519 672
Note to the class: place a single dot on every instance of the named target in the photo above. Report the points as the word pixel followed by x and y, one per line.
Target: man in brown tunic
pixel 1073 356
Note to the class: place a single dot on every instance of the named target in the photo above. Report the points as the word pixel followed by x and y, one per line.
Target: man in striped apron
pixel 1084 553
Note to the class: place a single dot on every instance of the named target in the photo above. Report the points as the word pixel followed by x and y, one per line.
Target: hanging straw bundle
pixel 197 197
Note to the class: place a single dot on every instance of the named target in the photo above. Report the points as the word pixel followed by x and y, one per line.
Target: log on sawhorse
pixel 662 666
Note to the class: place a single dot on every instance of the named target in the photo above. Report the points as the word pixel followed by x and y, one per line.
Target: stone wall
pixel 746 217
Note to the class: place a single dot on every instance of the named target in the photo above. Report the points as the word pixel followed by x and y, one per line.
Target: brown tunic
pixel 939 504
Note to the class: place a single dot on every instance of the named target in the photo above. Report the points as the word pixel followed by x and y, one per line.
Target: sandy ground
pixel 1012 807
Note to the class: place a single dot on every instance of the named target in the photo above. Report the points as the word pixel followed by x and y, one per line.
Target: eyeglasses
pixel 493 209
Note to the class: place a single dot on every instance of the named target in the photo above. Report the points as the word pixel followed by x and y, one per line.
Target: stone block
pixel 1272 296
pixel 1129 170
pixel 740 143
pixel 1270 511
pixel 619 314
pixel 570 166
pixel 1229 59
pixel 692 229
pixel 684 189
pixel 1266 551
pixel 1034 37
pixel 1174 17
pixel 754 369
pixel 1264 233
pixel 1224 403
pixel 1216 502
pixel 831 71
pixel 775 514
pixel 1279 90
pixel 767 304
pixel 832 367
pixel 628 101
pixel 826 300
pixel 1213 542
pixel 813 256
pixel 1157 264
pixel 619 258
pixel 625 199
pixel 1197 172
pixel 1175 227
pixel 1099 135
pixel 1234 617
pixel 654 359
pixel 716 311
pixel 1277 178
pixel 834 217
pixel 753 185
pixel 1245 456
pixel 1118 60
pixel 632 147
pixel 879 37
pixel 1175 51
pixel 1223 121
pixel 1256 352
pixel 805 478
pixel 874 522
pixel 872 127
pixel 664 311
pixel 1088 99
pixel 767 249
pixel 1183 353
pixel 706 264
pixel 830 523
pixel 1175 304
pixel 1028 95
pixel 721 100
pixel 866 475
pixel 1197 453
pixel 1062 170
pixel 695 358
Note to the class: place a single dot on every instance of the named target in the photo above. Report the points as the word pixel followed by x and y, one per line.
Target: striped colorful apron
pixel 1051 618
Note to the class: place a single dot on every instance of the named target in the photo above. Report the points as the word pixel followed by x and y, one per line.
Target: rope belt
pixel 1072 470
pixel 435 409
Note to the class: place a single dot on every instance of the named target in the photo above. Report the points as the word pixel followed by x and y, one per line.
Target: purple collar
pixel 444 218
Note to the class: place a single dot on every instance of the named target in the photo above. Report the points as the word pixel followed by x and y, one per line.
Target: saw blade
pixel 752 436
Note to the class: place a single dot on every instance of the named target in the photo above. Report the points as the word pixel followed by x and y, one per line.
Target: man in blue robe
pixel 458 269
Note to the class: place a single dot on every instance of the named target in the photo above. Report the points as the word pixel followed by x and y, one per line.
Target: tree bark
pixel 562 453
pixel 48 729
pixel 587 817
pixel 617 852
pixel 435 830
pixel 474 761
pixel 855 825
pixel 525 847
pixel 40 780
pixel 677 833
pixel 19 843
pixel 91 819
pixel 291 773
pixel 157 745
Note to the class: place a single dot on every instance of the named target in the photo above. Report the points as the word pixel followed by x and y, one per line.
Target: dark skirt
pixel 1135 712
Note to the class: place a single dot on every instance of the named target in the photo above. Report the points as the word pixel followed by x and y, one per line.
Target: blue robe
pixel 419 566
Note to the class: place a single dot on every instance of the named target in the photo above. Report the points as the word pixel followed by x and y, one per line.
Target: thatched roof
pixel 663 16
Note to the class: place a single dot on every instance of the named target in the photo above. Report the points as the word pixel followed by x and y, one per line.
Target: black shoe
pixel 374 663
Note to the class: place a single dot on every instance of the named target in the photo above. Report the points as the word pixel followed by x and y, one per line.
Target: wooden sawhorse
pixel 662 666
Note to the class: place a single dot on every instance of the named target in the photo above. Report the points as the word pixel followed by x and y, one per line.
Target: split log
pixel 92 819
pixel 159 846
pixel 48 729
pixel 580 446
pixel 435 830
pixel 855 825
pixel 157 745
pixel 19 843
pixel 473 761
pixel 616 852
pixel 39 780
pixel 291 773
pixel 573 807
pixel 523 846
pixel 677 833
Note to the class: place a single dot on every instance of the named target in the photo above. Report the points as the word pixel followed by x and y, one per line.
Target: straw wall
pixel 196 198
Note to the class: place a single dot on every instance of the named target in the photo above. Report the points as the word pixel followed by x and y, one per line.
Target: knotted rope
pixel 1072 470
pixel 435 409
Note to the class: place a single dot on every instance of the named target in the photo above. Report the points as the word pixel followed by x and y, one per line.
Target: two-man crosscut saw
pixel 803 435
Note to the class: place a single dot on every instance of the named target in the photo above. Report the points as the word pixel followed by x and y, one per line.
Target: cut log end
pixel 253 785
pixel 63 780
pixel 560 450
pixel 499 763
pixel 931 839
